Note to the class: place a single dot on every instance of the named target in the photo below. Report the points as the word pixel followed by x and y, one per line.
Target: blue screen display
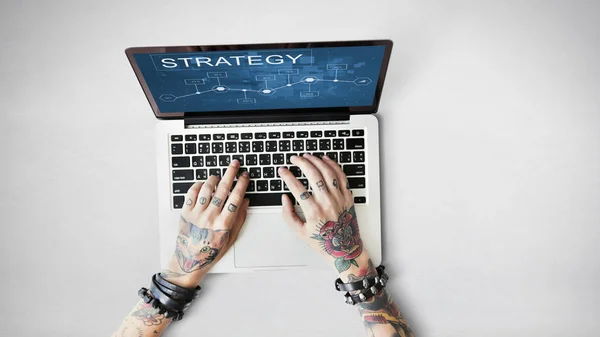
pixel 262 79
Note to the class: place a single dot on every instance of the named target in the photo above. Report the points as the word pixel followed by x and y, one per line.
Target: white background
pixel 490 130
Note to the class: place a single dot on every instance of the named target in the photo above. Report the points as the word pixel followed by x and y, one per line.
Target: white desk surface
pixel 490 126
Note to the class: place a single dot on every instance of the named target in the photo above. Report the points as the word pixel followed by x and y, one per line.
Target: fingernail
pixel 283 168
pixel 245 174
pixel 306 155
pixel 326 158
pixel 235 163
pixel 293 157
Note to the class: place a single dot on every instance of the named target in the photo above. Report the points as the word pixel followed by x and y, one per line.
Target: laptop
pixel 261 104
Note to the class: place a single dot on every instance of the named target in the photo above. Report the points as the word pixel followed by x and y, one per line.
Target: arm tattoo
pixel 170 274
pixel 321 185
pixel 216 201
pixel 380 314
pixel 304 195
pixel 197 247
pixel 203 200
pixel 340 238
pixel 335 184
pixel 231 208
pixel 147 314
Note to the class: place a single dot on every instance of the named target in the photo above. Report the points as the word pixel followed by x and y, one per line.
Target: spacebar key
pixel 267 199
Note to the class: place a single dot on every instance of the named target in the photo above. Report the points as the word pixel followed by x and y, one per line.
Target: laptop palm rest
pixel 267 241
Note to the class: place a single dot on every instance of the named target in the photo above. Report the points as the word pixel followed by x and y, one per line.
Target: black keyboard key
pixel 284 145
pixel 183 174
pixel 219 136
pixel 271 146
pixel 251 159
pixel 298 145
pixel 262 185
pixel 233 136
pixel 241 170
pixel 203 137
pixel 181 188
pixel 267 199
pixel 214 172
pixel 244 147
pixel 178 201
pixel 176 138
pixel 247 135
pixel 302 134
pixel 360 200
pixel 345 157
pixel 203 148
pixel 264 159
pixel 338 144
pixel 318 154
pixel 190 148
pixel 217 147
pixel 224 160
pixel 201 174
pixel 274 135
pixel 197 161
pixel 324 144
pixel 316 134
pixel 330 133
pixel 258 146
pixel 357 182
pixel 191 138
pixel 176 148
pixel 344 133
pixel 288 134
pixel 355 143
pixel 277 172
pixel 333 156
pixel 180 161
pixel 358 157
pixel 311 145
pixel 285 187
pixel 288 157
pixel 278 159
pixel 354 170
pixel 254 172
pixel 240 158
pixel 251 186
pixel 224 170
pixel 275 185
pixel 268 172
pixel 358 133
pixel 211 161
pixel 295 171
pixel 230 147
pixel 260 135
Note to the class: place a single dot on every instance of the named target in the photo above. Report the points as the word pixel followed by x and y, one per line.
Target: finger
pixel 329 175
pixel 238 222
pixel 235 199
pixel 290 216
pixel 206 193
pixel 297 189
pixel 343 183
pixel 312 173
pixel 191 196
pixel 224 186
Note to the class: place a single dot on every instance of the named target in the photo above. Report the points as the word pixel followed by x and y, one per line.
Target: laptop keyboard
pixel 198 156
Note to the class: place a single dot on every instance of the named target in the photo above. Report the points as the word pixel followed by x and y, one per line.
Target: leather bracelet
pixel 170 303
pixel 364 295
pixel 382 277
pixel 147 296
pixel 180 296
pixel 193 293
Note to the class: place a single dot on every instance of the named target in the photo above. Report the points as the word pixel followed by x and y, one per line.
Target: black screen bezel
pixel 130 52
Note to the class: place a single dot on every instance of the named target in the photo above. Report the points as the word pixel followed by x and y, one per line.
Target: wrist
pixel 365 267
pixel 175 275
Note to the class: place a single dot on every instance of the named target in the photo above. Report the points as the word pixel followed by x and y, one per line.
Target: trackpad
pixel 267 241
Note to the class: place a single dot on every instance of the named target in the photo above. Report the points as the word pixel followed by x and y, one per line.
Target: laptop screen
pixel 239 79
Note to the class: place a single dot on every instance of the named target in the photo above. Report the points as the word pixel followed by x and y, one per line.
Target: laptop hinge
pixel 284 118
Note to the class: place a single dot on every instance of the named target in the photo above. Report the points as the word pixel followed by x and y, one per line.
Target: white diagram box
pixel 265 77
pixel 193 81
pixel 337 67
pixel 168 97
pixel 246 100
pixel 216 74
pixel 309 94
pixel 288 72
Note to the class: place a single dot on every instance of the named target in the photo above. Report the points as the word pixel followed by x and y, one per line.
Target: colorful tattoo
pixel 341 239
pixel 197 247
pixel 147 314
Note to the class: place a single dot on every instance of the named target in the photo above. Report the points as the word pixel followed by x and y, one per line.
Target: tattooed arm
pixel 208 227
pixel 331 228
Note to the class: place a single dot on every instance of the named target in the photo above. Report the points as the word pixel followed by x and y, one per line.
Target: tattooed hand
pixel 331 226
pixel 209 224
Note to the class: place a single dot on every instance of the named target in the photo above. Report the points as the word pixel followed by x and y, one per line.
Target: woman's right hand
pixel 331 225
